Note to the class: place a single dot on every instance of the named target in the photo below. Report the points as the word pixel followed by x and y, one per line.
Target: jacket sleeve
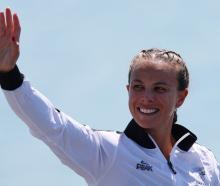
pixel 213 166
pixel 84 150
pixel 216 174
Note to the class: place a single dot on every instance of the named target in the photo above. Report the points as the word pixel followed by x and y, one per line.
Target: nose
pixel 148 96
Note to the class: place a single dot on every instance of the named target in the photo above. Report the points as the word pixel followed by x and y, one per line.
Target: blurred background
pixel 77 52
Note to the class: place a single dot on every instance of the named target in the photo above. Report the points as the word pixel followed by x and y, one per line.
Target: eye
pixel 160 89
pixel 138 87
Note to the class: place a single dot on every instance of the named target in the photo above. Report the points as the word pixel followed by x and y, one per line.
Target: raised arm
pixel 84 150
pixel 9 40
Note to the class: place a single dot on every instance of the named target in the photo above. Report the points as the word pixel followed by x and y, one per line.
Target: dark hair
pixel 166 56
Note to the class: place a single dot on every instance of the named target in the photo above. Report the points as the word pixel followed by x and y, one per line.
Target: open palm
pixel 9 40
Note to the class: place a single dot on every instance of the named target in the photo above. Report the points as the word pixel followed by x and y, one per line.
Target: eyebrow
pixel 157 83
pixel 161 83
pixel 137 80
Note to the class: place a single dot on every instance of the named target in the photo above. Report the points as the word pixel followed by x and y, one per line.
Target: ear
pixel 181 97
pixel 128 87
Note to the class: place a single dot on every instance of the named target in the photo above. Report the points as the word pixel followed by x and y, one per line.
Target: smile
pixel 148 111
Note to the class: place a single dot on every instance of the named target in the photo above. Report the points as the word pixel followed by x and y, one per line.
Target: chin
pixel 144 124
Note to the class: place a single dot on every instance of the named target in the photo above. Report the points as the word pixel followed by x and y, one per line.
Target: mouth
pixel 149 111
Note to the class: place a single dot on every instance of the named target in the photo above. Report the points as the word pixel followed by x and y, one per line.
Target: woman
pixel 152 150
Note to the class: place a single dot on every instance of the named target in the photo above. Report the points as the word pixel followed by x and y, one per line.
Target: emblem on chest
pixel 144 166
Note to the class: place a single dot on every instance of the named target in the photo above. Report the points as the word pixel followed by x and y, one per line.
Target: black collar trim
pixel 138 134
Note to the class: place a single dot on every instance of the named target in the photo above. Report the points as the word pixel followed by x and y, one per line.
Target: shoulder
pixel 209 161
pixel 202 150
pixel 205 155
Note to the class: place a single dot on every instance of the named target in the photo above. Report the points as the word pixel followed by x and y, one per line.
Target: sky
pixel 77 53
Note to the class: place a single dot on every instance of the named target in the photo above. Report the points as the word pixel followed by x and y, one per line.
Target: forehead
pixel 154 71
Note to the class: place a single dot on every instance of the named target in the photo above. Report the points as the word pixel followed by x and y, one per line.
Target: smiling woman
pixel 152 150
pixel 158 82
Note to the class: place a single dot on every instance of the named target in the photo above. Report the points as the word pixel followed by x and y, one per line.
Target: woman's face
pixel 153 94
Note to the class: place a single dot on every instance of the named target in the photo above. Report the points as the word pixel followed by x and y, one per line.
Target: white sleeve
pixel 216 176
pixel 214 168
pixel 84 150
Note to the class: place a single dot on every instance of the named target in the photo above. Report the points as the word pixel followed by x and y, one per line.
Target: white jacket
pixel 108 158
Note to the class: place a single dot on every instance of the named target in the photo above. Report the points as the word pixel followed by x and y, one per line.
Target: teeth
pixel 148 111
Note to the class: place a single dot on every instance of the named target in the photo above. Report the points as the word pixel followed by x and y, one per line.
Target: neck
pixel 164 140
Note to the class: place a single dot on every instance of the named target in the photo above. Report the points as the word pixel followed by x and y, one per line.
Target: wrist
pixel 12 79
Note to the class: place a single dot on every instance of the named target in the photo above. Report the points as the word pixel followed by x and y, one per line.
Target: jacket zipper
pixel 171 166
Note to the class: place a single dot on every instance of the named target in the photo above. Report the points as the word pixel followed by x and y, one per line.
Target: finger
pixel 2 23
pixel 9 21
pixel 17 28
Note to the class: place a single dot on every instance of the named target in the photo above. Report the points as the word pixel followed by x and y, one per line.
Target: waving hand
pixel 9 40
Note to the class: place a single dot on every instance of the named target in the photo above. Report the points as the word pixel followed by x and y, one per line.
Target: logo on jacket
pixel 201 172
pixel 199 175
pixel 144 166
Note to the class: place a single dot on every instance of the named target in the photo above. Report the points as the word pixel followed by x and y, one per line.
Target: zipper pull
pixel 171 166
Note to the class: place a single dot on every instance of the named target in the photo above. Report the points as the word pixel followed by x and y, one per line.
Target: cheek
pixel 133 100
pixel 172 103
pixel 134 97
pixel 131 104
pixel 168 102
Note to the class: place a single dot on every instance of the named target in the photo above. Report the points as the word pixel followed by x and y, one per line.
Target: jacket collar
pixel 138 134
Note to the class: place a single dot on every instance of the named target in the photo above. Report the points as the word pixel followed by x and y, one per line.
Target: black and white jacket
pixel 108 158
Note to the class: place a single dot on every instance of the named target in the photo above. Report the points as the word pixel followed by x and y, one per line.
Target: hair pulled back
pixel 167 56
